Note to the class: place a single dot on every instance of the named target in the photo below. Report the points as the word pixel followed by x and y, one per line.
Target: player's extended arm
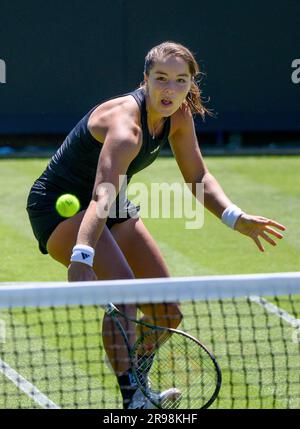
pixel 120 147
pixel 188 156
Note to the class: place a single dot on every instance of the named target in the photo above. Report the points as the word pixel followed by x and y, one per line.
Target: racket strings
pixel 180 363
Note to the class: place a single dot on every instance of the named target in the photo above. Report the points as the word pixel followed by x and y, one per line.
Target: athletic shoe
pixel 167 399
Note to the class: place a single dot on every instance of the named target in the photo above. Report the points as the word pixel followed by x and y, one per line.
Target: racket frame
pixel 112 311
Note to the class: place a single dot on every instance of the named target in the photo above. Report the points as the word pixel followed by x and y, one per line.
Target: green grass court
pixel 268 186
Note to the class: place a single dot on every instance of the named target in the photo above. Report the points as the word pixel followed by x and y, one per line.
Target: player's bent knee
pixel 167 314
pixel 175 315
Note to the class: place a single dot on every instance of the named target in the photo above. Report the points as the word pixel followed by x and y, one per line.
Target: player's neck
pixel 153 116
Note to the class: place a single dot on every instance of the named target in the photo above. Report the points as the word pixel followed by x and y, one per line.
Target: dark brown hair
pixel 167 49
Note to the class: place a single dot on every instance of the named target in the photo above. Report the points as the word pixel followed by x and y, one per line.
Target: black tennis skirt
pixel 44 218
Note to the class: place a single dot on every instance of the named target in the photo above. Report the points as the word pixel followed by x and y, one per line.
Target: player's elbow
pixel 105 195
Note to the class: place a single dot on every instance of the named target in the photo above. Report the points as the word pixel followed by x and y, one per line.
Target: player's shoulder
pixel 182 118
pixel 120 113
pixel 123 106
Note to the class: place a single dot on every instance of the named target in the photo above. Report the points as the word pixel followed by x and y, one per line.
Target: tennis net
pixel 52 354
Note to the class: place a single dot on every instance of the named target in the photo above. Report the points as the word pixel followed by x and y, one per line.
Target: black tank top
pixel 73 167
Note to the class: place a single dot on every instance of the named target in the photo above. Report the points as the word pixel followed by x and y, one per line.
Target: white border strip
pixel 147 290
pixel 273 309
pixel 26 387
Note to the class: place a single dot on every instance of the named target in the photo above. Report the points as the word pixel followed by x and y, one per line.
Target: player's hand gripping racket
pixel 172 368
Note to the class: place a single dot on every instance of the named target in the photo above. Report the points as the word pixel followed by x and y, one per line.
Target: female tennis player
pixel 120 137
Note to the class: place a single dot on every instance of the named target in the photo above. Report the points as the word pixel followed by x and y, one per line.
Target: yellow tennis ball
pixel 67 205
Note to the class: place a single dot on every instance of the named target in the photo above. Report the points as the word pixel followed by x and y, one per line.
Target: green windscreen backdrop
pixel 63 57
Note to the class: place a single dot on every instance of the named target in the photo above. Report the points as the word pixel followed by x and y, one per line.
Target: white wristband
pixel 83 253
pixel 231 215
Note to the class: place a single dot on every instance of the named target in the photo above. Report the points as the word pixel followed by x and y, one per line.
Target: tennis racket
pixel 172 368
